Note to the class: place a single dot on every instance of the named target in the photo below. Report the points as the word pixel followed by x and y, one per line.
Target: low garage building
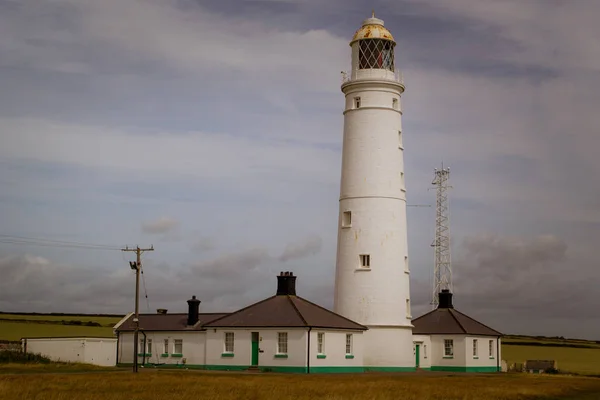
pixel 88 350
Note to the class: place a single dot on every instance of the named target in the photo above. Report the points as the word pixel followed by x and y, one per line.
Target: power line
pixel 24 240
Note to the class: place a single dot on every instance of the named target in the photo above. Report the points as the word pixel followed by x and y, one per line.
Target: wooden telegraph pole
pixel 137 266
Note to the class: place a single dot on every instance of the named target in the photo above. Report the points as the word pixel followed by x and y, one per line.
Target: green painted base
pixel 464 369
pixel 314 370
pixel 390 369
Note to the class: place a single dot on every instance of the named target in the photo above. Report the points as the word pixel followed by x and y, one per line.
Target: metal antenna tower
pixel 442 274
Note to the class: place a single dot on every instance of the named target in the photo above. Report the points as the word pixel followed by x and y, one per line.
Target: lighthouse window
pixel 357 102
pixel 408 308
pixel 400 140
pixel 406 263
pixel 365 260
pixel 347 219
pixel 376 53
pixel 395 104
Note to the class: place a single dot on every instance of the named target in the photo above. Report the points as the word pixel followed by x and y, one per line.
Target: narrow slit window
pixel 357 102
pixel 395 104
pixel 407 308
pixel 365 260
pixel 402 180
pixel 347 219
pixel 348 343
pixel 321 343
pixel 229 341
pixel 406 263
pixel 400 140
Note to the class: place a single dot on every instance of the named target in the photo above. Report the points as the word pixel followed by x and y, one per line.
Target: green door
pixel 417 358
pixel 254 348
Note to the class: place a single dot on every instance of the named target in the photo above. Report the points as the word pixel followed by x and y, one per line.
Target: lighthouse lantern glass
pixel 376 53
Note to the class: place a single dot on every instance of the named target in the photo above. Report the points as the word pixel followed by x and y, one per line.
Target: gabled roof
pixel 449 321
pixel 284 311
pixel 167 322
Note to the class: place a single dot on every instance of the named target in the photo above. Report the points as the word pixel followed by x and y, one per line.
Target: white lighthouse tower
pixel 372 275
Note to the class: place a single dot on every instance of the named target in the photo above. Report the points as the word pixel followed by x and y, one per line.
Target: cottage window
pixel 448 348
pixel 178 347
pixel 348 343
pixel 149 346
pixel 166 346
pixel 424 351
pixel 491 348
pixel 282 342
pixel 474 347
pixel 141 348
pixel 321 343
pixel 229 340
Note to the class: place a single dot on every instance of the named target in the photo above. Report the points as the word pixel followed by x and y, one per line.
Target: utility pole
pixel 137 266
pixel 442 273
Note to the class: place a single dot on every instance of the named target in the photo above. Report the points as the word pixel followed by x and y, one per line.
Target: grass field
pixel 16 330
pixel 581 361
pixel 168 385
pixel 104 321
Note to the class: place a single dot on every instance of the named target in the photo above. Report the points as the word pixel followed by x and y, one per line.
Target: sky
pixel 212 131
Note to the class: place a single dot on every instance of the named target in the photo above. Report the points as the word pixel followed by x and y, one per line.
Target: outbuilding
pixel 88 350
pixel 283 333
pixel 447 340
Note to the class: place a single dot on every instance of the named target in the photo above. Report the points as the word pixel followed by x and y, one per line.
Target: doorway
pixel 254 349
pixel 417 355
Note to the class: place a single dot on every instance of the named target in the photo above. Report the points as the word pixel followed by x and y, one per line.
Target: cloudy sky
pixel 212 130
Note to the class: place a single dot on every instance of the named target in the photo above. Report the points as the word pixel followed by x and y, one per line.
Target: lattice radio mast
pixel 442 274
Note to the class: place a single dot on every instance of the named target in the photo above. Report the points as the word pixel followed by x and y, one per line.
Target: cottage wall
pixel 483 361
pixel 193 346
pixel 334 357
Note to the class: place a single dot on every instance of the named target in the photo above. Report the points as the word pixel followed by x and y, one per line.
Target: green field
pixel 581 361
pixel 104 321
pixel 17 326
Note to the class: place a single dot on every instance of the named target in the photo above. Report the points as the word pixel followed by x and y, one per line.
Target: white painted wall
pixel 97 351
pixel 483 358
pixel 297 342
pixel 335 349
pixel 373 190
pixel 424 342
pixel 193 347
pixel 437 351
pixel 388 347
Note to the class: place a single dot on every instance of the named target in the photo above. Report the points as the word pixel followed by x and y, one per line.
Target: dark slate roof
pixel 285 311
pixel 168 322
pixel 449 321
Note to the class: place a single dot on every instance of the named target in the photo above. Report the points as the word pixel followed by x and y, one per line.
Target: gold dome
pixel 372 28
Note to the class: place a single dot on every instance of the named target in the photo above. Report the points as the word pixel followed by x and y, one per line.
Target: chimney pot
pixel 286 284
pixel 445 299
pixel 193 307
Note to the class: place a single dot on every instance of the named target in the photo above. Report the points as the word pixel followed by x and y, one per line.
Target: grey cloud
pixel 310 246
pixel 203 244
pixel 236 266
pixel 528 285
pixel 161 226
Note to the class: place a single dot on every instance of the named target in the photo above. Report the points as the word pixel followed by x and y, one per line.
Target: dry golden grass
pixel 581 361
pixel 181 385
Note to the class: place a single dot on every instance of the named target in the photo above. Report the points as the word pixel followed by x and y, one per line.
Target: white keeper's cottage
pixel 283 333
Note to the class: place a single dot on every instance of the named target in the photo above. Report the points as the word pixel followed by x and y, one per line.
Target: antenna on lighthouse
pixel 442 273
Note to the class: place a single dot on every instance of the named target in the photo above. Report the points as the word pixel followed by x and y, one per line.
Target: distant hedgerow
pixel 18 357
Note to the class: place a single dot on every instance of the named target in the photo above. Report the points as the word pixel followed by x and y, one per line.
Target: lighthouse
pixel 372 273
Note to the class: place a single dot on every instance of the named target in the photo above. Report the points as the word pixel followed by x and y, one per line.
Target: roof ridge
pixel 457 321
pixel 424 315
pixel 296 309
pixel 480 323
pixel 332 312
pixel 238 311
